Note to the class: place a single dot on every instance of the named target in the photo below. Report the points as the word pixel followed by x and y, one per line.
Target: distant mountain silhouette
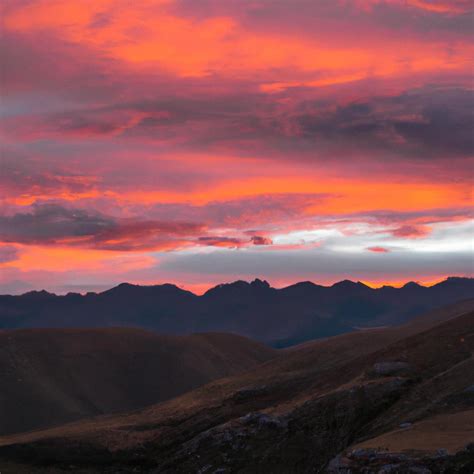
pixel 281 317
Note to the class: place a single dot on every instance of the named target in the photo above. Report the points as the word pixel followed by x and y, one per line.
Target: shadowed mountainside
pixel 321 407
pixel 52 376
pixel 280 317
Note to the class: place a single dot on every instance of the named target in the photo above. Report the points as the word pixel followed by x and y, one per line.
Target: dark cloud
pixel 49 224
pixel 428 216
pixel 217 241
pixel 423 123
pixel 444 127
pixel 234 242
pixel 312 18
pixel 261 240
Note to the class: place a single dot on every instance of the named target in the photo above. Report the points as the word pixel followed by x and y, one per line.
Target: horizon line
pixel 368 284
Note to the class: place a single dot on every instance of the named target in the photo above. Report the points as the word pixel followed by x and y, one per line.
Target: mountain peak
pixel 127 288
pixel 39 294
pixel 411 284
pixel 346 284
pixel 456 279
pixel 303 285
pixel 120 288
pixel 257 283
pixel 239 285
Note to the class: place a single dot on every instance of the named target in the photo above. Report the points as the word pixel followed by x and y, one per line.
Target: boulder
pixel 263 420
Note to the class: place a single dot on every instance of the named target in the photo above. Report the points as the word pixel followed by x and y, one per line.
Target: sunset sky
pixel 203 141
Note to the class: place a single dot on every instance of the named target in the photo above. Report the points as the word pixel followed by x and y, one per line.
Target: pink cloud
pixel 378 249
pixel 411 231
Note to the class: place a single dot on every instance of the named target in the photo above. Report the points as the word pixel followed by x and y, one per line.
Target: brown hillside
pixel 52 376
pixel 292 414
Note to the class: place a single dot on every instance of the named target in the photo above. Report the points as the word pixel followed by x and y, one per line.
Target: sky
pixel 202 141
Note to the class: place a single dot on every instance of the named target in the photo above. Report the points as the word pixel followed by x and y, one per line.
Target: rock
pixel 397 457
pixel 339 465
pixel 263 420
pixel 387 369
pixel 388 468
pixel 469 448
pixel 419 470
pixel 363 453
pixel 442 452
pixel 405 425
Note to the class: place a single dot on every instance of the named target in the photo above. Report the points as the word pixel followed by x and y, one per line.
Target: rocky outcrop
pixel 378 461
pixel 302 440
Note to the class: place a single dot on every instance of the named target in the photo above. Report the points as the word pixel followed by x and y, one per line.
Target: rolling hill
pixel 51 376
pixel 360 401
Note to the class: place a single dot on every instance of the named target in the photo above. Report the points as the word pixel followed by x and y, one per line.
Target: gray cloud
pixel 319 264
pixel 234 242
pixel 423 123
pixel 217 241
pixel 50 224
pixel 314 18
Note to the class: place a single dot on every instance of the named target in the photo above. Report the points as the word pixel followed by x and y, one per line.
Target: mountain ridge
pixel 256 282
pixel 276 316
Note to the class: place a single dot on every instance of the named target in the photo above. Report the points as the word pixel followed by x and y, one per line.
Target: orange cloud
pixel 146 33
pixel 340 195
pixel 63 259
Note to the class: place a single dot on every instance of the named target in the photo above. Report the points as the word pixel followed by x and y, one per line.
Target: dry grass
pixel 449 431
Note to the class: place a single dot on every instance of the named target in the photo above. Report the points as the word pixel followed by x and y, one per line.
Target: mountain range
pixel 386 400
pixel 280 317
